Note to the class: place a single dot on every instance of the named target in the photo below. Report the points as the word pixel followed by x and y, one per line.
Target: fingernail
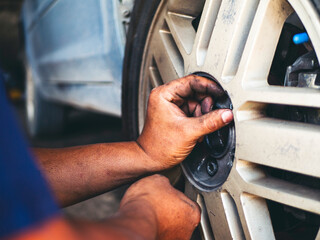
pixel 227 116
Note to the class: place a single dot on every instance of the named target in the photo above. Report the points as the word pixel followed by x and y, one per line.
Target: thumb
pixel 211 122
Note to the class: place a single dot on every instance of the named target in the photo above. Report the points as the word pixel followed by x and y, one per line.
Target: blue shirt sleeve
pixel 25 198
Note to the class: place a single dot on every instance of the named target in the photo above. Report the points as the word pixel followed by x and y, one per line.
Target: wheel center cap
pixel 209 164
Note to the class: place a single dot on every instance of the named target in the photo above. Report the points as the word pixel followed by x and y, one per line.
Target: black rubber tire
pixel 48 118
pixel 143 13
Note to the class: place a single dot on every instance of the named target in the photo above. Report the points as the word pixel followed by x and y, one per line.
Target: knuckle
pixel 137 183
pixel 160 177
pixel 157 175
pixel 191 77
pixel 154 96
pixel 153 93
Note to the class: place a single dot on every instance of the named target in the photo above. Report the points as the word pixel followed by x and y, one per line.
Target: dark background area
pixel 11 43
pixel 81 128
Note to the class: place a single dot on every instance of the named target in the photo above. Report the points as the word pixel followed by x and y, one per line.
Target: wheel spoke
pixel 205 29
pixel 277 143
pixel 263 38
pixel 222 216
pixel 204 222
pixel 204 225
pixel 257 217
pixel 283 95
pixel 318 235
pixel 252 215
pixel 155 78
pixel 256 182
pixel 232 216
pixel 145 89
pixel 225 50
pixel 182 32
pixel 186 7
pixel 167 56
pixel 287 193
pixel 190 191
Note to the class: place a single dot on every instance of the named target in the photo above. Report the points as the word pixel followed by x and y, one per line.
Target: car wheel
pixel 259 178
pixel 44 118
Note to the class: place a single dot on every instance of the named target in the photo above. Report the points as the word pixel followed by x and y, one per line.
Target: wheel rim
pixel 235 42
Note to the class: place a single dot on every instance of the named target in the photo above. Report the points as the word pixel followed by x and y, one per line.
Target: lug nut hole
pixel 218 141
pixel 212 167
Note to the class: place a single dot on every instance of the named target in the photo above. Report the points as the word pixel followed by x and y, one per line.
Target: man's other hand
pixel 176 216
pixel 179 114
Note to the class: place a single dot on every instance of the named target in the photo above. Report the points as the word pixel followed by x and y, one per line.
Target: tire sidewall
pixel 143 14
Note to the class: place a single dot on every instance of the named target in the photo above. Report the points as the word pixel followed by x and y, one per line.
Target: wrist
pixel 153 165
pixel 139 217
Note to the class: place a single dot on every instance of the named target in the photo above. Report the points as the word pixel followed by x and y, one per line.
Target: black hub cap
pixel 209 164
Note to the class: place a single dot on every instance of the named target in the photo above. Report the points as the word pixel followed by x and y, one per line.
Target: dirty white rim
pixel 235 42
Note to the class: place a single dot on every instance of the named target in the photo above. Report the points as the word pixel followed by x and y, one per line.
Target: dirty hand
pixel 175 215
pixel 179 114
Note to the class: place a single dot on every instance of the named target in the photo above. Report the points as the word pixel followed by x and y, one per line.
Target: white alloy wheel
pixel 235 43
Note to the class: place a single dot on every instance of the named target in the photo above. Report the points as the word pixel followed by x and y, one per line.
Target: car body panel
pixel 75 50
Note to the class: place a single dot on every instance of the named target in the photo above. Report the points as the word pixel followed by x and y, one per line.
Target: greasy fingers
pixel 206 105
pixel 179 114
pixel 191 86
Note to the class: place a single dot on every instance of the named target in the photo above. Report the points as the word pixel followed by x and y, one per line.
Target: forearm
pixel 78 173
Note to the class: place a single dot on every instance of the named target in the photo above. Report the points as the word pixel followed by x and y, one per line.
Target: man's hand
pixel 150 209
pixel 175 215
pixel 179 114
pixel 177 118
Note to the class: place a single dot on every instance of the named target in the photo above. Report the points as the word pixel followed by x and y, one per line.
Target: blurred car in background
pixel 258 178
pixel 74 53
